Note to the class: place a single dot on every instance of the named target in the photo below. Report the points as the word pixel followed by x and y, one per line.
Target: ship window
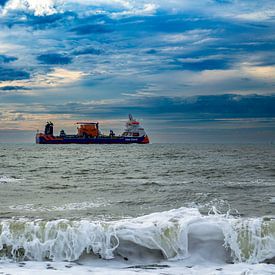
pixel 135 134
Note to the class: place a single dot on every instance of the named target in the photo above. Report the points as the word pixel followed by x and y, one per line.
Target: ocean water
pixel 146 209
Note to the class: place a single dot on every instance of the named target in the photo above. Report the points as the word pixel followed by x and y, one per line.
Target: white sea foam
pixel 66 207
pixel 78 206
pixel 22 207
pixel 5 179
pixel 109 268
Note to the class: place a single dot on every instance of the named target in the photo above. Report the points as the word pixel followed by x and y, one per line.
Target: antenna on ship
pixel 130 117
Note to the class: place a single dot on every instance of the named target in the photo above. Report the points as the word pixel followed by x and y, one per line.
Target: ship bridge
pixel 133 128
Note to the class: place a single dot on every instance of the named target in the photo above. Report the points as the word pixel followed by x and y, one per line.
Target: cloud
pixel 89 50
pixel 3 2
pixel 54 58
pixel 57 77
pixel 224 115
pixel 147 9
pixel 151 51
pixel 9 74
pixel 240 10
pixel 6 58
pixel 37 7
pixel 261 72
pixel 91 28
pixel 210 106
pixel 257 16
pixel 116 49
pixel 13 119
pixel 195 35
pixel 13 88
pixel 224 1
pixel 201 64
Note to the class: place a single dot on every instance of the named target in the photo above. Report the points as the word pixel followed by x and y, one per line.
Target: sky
pixel 190 71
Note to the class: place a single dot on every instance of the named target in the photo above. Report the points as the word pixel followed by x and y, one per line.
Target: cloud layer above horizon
pixel 109 57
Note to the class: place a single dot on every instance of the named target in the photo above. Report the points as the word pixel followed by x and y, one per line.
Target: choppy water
pixel 139 204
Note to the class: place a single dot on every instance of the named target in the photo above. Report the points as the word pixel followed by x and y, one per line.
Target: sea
pixel 137 209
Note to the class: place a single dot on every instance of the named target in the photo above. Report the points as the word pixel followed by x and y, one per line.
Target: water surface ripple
pixel 115 181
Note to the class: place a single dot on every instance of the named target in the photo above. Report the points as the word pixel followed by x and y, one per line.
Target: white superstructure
pixel 133 128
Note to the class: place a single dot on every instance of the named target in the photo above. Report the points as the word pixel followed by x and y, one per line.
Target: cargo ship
pixel 89 133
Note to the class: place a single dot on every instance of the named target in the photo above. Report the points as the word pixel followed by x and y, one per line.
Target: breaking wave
pixel 176 234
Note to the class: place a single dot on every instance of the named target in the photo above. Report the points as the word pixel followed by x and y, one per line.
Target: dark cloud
pixel 14 88
pixel 166 23
pixel 200 65
pixel 212 106
pixel 151 51
pixel 92 28
pixel 258 25
pixel 3 2
pixel 54 58
pixel 7 59
pixel 228 105
pixel 89 50
pixel 223 1
pixel 13 74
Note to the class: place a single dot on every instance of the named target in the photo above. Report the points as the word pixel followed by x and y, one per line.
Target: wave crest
pixel 5 179
pixel 175 234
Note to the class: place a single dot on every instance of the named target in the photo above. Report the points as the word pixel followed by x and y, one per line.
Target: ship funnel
pixel 48 128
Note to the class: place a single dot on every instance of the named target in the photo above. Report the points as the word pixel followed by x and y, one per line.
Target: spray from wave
pixel 176 235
